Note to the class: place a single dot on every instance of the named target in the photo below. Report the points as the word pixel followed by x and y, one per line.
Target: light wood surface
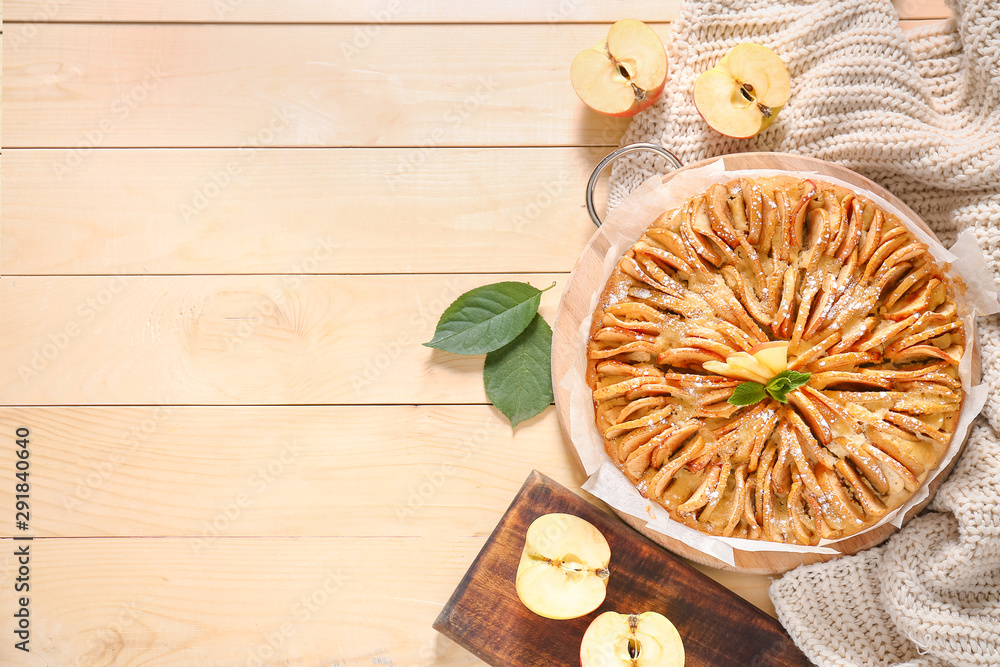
pixel 272 339
pixel 374 11
pixel 200 85
pixel 311 601
pixel 268 468
pixel 155 211
pixel 361 11
pixel 249 410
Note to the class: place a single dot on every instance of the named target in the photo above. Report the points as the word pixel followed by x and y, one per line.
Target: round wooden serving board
pixel 587 279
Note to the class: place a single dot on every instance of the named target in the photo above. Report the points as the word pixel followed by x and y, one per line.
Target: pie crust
pixel 864 308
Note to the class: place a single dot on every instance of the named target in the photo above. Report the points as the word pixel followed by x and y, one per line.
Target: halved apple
pixel 624 74
pixel 743 94
pixel 563 571
pixel 631 640
pixel 773 355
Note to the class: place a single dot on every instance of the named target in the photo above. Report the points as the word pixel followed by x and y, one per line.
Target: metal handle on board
pixel 610 157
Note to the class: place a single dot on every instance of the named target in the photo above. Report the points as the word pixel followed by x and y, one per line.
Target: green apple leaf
pixel 486 318
pixel 518 376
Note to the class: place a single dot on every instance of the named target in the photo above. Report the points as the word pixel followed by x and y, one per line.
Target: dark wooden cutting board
pixel 718 627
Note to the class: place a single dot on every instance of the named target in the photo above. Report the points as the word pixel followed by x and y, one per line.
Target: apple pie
pixel 777 359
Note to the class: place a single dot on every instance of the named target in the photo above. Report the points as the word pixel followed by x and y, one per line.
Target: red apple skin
pixel 651 97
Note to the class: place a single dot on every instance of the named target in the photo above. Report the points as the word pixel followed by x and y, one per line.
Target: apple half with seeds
pixel 563 571
pixel 631 640
pixel 624 74
pixel 743 94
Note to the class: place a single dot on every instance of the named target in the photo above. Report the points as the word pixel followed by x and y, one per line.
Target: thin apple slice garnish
pixel 631 640
pixel 624 74
pixel 773 355
pixel 742 366
pixel 563 572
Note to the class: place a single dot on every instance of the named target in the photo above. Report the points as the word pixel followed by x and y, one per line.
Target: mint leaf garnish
pixel 486 318
pixel 518 376
pixel 778 388
pixel 747 393
pixel 784 383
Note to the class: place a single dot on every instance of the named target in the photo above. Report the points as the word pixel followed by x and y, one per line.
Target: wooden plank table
pixel 226 228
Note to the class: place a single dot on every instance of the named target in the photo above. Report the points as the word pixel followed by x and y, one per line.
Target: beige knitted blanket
pixel 919 114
